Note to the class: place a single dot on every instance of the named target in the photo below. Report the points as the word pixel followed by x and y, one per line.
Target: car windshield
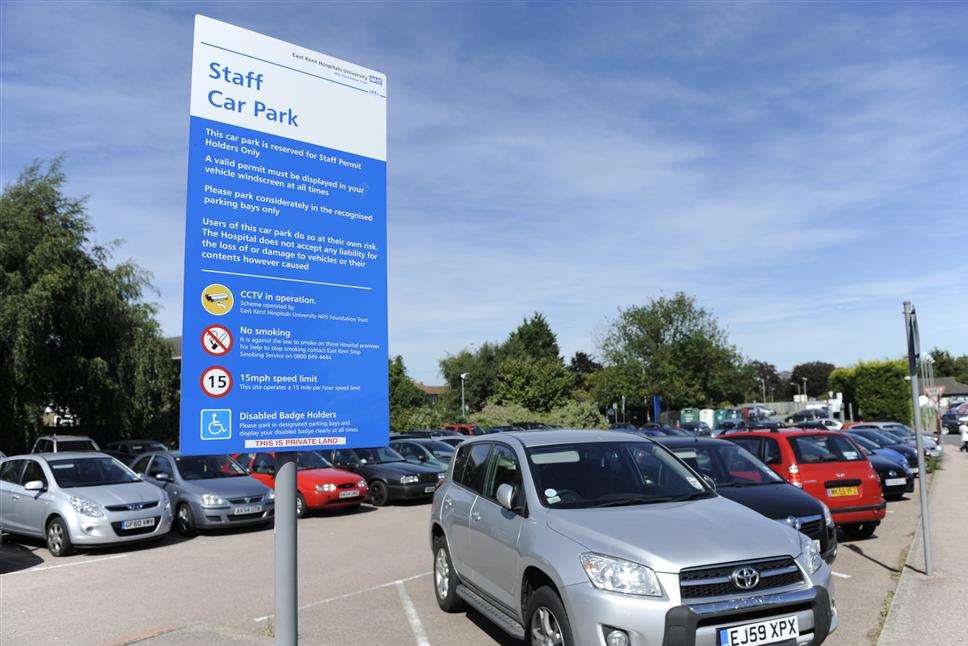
pixel 203 467
pixel 811 449
pixel 90 472
pixel 63 446
pixel 897 437
pixel 379 455
pixel 874 436
pixel 311 460
pixel 729 465
pixel 145 447
pixel 439 449
pixel 865 443
pixel 611 474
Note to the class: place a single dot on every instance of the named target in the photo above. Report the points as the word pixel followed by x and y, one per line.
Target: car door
pixel 457 504
pixel 494 531
pixel 263 469
pixel 10 492
pixel 32 506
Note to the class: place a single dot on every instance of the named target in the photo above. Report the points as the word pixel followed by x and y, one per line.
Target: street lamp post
pixel 463 406
pixel 804 388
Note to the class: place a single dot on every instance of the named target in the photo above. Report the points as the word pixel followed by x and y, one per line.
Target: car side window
pixel 141 464
pixel 265 464
pixel 460 461
pixel 10 471
pixel 771 451
pixel 33 471
pixel 405 449
pixel 476 467
pixel 503 469
pixel 160 465
pixel 751 444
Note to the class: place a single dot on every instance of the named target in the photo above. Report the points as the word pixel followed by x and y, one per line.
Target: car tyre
pixel 859 531
pixel 300 506
pixel 445 578
pixel 184 521
pixel 547 622
pixel 58 538
pixel 379 494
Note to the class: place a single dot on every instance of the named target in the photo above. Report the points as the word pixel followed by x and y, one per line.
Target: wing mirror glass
pixel 710 482
pixel 164 477
pixel 505 496
pixel 34 485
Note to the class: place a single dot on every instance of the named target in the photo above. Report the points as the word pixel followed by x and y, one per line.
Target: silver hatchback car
pixel 74 499
pixel 607 538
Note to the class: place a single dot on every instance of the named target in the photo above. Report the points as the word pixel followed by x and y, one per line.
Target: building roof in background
pixel 430 390
pixel 951 386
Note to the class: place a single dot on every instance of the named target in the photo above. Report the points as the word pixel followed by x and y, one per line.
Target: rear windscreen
pixel 811 449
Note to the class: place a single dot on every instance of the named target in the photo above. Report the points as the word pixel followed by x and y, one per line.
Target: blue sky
pixel 800 168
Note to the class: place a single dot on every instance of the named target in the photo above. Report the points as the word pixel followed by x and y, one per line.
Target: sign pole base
pixel 287 613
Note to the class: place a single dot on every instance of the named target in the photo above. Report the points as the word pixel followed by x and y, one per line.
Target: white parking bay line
pixel 321 602
pixel 412 616
pixel 839 575
pixel 41 568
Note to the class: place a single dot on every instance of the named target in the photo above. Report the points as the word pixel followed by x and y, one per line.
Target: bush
pixel 878 389
pixel 571 414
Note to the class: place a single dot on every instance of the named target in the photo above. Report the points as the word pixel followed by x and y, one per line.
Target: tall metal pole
pixel 287 619
pixel 914 351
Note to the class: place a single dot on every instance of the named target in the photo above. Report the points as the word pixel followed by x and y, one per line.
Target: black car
pixel 805 415
pixel 697 428
pixel 909 452
pixel 761 423
pixel 952 418
pixel 895 478
pixel 743 478
pixel 388 475
pixel 730 426
pixel 128 450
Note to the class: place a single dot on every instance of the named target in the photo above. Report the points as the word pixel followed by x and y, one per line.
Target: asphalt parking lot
pixel 364 579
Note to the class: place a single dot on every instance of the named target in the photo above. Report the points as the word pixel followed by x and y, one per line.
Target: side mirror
pixel 505 496
pixel 710 482
pixel 422 458
pixel 34 485
pixel 164 477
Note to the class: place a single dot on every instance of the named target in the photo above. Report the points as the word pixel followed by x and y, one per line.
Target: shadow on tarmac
pixel 15 556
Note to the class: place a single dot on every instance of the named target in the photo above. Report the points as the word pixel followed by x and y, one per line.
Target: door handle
pixel 476 517
pixel 14 497
pixel 449 503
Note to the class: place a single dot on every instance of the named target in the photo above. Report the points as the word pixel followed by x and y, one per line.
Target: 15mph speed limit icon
pixel 216 381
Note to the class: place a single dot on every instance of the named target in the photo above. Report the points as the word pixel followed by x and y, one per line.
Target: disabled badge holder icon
pixel 216 423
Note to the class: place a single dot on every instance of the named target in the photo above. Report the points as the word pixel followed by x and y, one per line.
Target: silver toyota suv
pixel 608 539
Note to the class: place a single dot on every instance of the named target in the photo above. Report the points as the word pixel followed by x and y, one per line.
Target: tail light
pixel 795 476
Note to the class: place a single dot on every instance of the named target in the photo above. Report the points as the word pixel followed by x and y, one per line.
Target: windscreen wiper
pixel 621 502
pixel 691 496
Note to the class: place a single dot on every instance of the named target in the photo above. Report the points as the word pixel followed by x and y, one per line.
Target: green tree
pixel 948 365
pixel 876 389
pixel 403 392
pixel 75 331
pixel 533 339
pixel 768 379
pixel 481 366
pixel 536 384
pixel 673 348
pixel 817 374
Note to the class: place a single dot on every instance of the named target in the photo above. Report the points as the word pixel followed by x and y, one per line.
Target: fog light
pixel 616 637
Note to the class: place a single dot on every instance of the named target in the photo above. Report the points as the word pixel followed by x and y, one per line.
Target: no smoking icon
pixel 216 340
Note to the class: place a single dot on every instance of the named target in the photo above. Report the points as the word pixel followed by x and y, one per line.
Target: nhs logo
pixel 376 80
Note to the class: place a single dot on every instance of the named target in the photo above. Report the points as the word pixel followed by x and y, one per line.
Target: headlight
pixel 211 500
pixel 440 476
pixel 361 484
pixel 271 495
pixel 811 554
pixel 828 518
pixel 409 479
pixel 618 575
pixel 167 506
pixel 86 507
pixel 329 486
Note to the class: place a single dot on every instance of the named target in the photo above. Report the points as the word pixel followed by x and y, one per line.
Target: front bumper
pixel 220 517
pixel 411 491
pixel 353 496
pixel 106 530
pixel 658 622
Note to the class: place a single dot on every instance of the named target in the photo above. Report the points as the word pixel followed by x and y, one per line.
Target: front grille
pixel 134 532
pixel 814 529
pixel 716 580
pixel 428 478
pixel 246 500
pixel 134 506
pixel 347 485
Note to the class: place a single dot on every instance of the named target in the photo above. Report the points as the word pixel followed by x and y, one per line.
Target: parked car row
pixel 70 493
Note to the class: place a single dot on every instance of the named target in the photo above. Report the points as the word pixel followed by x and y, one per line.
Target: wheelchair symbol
pixel 216 423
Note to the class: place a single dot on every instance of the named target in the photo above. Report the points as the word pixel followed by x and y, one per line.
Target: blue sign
pixel 284 341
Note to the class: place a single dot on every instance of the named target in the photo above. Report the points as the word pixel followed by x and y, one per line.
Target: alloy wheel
pixel 545 630
pixel 442 574
pixel 55 537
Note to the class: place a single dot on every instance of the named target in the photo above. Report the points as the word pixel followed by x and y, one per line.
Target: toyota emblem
pixel 745 578
pixel 794 522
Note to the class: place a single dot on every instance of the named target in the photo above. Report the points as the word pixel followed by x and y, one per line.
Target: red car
pixel 318 483
pixel 826 465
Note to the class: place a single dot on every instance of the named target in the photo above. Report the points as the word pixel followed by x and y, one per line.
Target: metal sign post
pixel 287 584
pixel 914 352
